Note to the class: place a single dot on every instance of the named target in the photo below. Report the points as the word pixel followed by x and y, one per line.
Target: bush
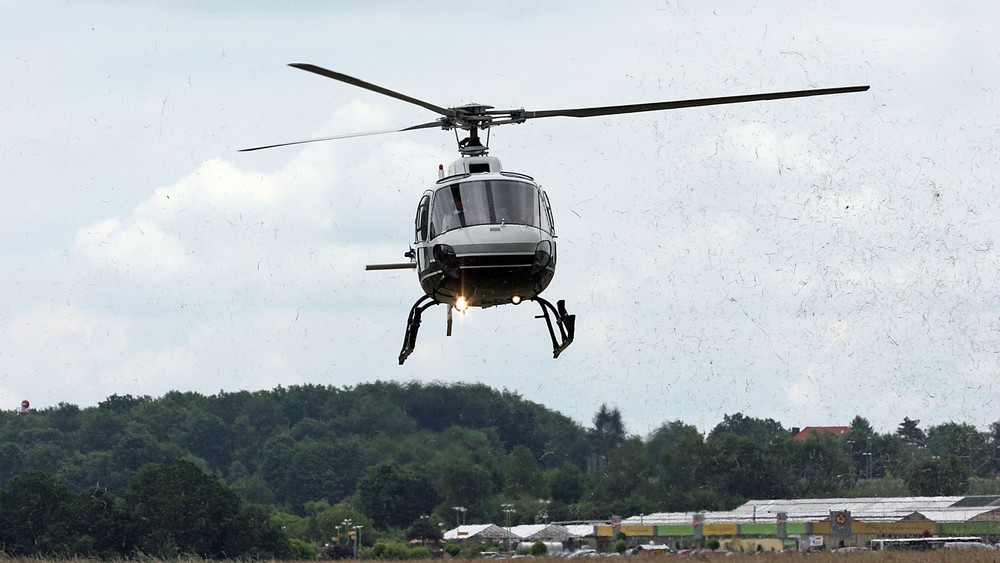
pixel 301 549
pixel 539 549
pixel 420 552
pixel 395 551
pixel 620 546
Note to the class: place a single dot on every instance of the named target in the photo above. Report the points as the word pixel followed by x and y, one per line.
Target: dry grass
pixel 939 556
pixel 880 556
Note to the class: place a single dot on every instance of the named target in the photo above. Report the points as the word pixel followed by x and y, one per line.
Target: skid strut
pixel 413 325
pixel 565 323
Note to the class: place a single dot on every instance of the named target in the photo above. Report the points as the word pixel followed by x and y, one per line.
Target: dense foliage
pixel 277 473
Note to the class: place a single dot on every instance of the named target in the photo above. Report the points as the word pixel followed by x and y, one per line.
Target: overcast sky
pixel 803 260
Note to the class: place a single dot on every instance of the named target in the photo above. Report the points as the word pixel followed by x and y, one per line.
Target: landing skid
pixel 413 325
pixel 565 322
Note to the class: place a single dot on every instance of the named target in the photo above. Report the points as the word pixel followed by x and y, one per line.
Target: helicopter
pixel 485 236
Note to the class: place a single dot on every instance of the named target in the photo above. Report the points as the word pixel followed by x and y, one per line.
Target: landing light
pixel 516 300
pixel 461 304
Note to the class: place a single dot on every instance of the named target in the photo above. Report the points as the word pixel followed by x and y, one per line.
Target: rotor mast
pixel 472 117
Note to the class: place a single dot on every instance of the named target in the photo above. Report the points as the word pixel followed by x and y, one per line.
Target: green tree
pixel 99 427
pixel 993 448
pixel 136 446
pixel 252 534
pixel 817 466
pixel 938 476
pixel 322 470
pixel 91 469
pixel 566 483
pixel 522 477
pixel 962 441
pixel 104 528
pixel 274 460
pixel 861 425
pixel 609 431
pixel 423 529
pixel 37 516
pixel 739 467
pixel 205 435
pixel 393 496
pixel 46 457
pixel 64 417
pixel 468 484
pixel 762 431
pixel 182 510
pixel 625 482
pixel 888 456
pixel 909 430
pixel 681 458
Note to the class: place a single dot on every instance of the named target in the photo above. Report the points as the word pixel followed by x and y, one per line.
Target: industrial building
pixel 774 525
pixel 826 522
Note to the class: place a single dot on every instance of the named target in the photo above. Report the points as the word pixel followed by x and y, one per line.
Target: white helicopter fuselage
pixel 484 237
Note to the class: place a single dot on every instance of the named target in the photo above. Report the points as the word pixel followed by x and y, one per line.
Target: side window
pixel 422 218
pixel 547 223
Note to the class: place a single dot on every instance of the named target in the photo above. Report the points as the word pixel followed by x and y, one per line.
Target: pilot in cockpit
pixel 451 216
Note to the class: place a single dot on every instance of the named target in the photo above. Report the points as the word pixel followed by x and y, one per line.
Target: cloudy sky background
pixel 804 260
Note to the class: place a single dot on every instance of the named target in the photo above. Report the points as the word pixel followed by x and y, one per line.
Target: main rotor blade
pixel 347 136
pixel 374 88
pixel 658 106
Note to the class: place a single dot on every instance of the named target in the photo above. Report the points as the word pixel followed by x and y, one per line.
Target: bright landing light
pixel 461 304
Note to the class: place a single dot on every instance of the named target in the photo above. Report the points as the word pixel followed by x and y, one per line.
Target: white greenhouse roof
pixel 939 509
pixel 555 532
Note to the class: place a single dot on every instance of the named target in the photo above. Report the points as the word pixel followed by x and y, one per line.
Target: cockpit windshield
pixel 485 202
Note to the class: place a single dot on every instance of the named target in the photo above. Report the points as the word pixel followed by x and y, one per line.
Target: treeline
pixel 281 472
pixel 164 512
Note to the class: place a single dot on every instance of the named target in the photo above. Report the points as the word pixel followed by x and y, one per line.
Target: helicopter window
pixel 546 215
pixel 449 210
pixel 422 218
pixel 485 202
pixel 516 203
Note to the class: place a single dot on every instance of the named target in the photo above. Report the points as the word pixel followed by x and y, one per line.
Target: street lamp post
pixel 347 523
pixel 543 514
pixel 507 509
pixel 459 510
pixel 357 539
